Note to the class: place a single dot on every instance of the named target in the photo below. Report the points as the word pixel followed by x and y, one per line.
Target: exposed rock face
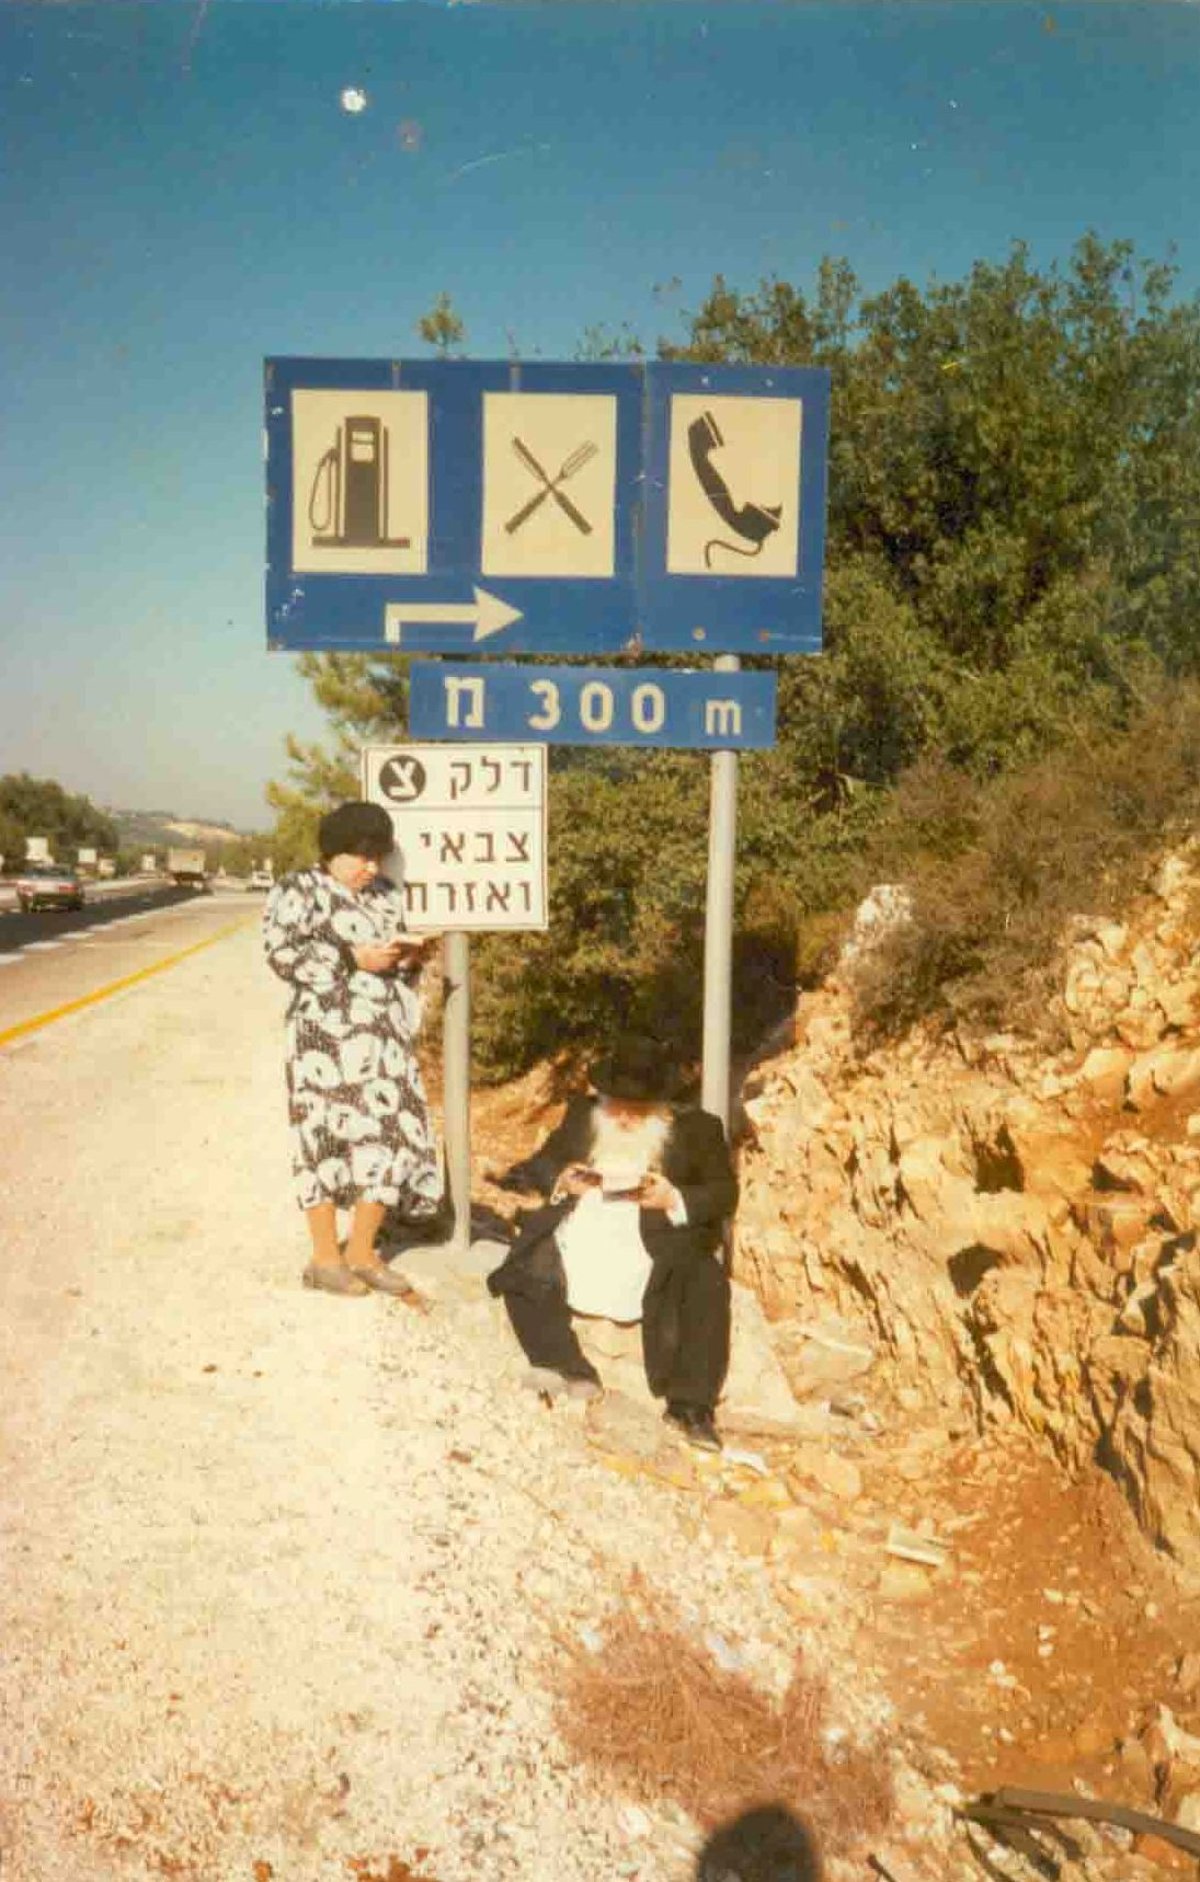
pixel 1015 1235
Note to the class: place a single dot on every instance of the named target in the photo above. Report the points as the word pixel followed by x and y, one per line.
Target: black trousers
pixel 685 1328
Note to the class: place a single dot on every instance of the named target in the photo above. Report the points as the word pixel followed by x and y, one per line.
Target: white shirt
pixel 605 1263
pixel 600 1242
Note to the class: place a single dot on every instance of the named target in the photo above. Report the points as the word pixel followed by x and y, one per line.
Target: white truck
pixel 187 868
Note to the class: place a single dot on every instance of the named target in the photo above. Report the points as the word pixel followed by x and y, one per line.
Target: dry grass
pixel 653 1712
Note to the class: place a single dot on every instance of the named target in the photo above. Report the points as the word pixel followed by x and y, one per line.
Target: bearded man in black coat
pixel 639 1192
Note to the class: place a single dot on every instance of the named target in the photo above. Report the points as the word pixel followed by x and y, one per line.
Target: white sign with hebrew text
pixel 470 829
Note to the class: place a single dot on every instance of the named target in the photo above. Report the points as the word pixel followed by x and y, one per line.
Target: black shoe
pixel 695 1423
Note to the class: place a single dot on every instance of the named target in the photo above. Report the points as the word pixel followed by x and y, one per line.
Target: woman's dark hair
pixel 356 830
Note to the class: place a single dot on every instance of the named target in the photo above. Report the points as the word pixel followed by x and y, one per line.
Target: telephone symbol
pixel 753 522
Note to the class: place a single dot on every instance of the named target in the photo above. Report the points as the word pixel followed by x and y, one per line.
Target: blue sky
pixel 183 192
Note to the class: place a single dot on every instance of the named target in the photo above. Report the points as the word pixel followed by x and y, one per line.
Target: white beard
pixel 635 1145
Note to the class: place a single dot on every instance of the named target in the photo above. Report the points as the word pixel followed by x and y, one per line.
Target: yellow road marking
pixel 117 986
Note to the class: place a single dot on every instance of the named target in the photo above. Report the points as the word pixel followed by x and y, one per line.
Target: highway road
pixel 103 903
pixel 124 888
pixel 51 964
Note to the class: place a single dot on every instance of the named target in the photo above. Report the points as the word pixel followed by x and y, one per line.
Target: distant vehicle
pixel 188 868
pixel 260 879
pixel 48 885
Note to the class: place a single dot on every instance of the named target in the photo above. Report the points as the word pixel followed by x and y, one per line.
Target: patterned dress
pixel 359 1120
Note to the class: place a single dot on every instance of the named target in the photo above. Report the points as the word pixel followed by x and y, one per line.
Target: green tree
pixel 1014 455
pixel 12 842
pixel 442 328
pixel 41 807
pixel 366 699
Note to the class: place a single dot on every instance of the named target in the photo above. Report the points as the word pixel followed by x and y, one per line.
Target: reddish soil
pixel 1120 1625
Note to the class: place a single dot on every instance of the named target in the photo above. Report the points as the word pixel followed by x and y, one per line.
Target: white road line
pixel 6 960
pixel 40 947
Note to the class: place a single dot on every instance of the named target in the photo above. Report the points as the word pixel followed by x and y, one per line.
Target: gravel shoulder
pixel 283 1573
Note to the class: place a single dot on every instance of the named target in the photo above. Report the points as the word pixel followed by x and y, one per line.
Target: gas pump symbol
pixel 348 502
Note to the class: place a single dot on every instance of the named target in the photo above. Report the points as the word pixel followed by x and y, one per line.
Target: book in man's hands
pixel 621 1184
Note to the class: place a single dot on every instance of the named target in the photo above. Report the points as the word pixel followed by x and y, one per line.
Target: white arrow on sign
pixel 487 614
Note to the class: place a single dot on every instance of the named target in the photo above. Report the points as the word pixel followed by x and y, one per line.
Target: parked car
pixel 48 885
pixel 260 879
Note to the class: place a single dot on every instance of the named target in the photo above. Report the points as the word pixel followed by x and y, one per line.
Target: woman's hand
pixel 381 957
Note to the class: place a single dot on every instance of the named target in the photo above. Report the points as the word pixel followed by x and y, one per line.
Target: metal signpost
pixel 505 508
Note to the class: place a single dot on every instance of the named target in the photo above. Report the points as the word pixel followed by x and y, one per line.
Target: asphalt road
pixel 19 931
pixel 55 960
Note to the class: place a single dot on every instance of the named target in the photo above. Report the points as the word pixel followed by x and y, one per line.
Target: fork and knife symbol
pixel 552 486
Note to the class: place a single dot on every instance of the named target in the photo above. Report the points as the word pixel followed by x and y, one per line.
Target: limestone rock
pixel 839 1476
pixel 1180 1004
pixel 756 1386
pixel 1155 1421
pixel 1164 1855
pixel 955 1205
pixel 617 1424
pixel 1105 1070
pixel 1166 1072
pixel 904 1581
pixel 1171 879
pixel 1142 1028
pixel 822 1355
pixel 1187 1674
pixel 750 1530
pixel 1186 1810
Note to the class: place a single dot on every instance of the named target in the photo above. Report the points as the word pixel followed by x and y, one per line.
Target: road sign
pixel 592 705
pixel 470 830
pixel 541 508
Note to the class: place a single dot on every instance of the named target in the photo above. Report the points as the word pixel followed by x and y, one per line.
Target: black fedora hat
pixel 635 1067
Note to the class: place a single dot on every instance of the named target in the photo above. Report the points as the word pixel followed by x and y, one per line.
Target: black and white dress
pixel 356 1102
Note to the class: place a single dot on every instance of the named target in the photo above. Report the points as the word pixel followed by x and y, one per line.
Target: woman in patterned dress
pixel 361 1135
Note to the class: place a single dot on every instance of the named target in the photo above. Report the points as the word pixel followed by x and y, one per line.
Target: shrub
pixel 996 867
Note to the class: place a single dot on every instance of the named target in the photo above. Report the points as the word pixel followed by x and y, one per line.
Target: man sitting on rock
pixel 638 1191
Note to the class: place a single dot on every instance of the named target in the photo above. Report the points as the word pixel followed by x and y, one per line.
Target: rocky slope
pixel 1011 1238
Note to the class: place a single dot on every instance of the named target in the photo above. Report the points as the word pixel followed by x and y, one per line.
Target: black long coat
pixel 697 1161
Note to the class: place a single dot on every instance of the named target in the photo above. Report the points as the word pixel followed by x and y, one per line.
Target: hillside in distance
pixel 159 828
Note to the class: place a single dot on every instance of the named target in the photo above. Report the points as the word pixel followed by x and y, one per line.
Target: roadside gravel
pixel 282 1573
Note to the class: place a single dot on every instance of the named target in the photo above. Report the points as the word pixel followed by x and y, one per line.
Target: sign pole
pixel 456 1081
pixel 718 922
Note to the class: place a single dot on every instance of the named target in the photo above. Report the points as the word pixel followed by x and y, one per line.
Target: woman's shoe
pixel 330 1280
pixel 387 1281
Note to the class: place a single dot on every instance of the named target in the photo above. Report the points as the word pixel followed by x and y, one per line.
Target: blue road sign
pixel 707 711
pixel 452 506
